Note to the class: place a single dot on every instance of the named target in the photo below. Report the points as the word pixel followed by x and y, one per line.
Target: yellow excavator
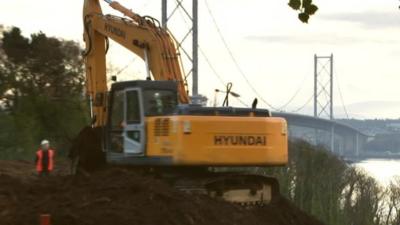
pixel 151 123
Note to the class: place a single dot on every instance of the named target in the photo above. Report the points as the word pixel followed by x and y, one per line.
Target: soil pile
pixel 119 197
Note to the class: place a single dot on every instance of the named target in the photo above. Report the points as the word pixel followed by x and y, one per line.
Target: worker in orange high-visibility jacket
pixel 44 159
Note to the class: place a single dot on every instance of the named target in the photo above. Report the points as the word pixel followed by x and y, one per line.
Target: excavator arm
pixel 141 35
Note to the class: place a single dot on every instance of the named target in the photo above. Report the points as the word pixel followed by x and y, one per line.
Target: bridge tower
pixel 192 16
pixel 323 86
pixel 323 93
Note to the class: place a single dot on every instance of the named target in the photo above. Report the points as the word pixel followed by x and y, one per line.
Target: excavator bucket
pixel 86 153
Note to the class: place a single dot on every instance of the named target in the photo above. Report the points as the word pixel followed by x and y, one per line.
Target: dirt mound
pixel 23 169
pixel 20 169
pixel 122 197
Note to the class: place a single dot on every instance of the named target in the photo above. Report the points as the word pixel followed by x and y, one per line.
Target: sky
pixel 273 49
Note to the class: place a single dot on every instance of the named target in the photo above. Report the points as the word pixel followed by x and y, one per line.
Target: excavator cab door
pixel 127 128
pixel 134 130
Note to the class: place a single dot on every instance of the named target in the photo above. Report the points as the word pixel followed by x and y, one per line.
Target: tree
pixel 363 199
pixel 326 187
pixel 41 90
pixel 393 203
pixel 305 8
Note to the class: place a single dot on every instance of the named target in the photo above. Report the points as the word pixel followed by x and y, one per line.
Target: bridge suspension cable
pixel 295 94
pixel 304 105
pixel 125 67
pixel 340 94
pixel 217 75
pixel 209 63
pixel 233 58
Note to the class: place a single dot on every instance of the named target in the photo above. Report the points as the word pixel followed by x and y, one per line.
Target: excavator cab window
pixel 117 115
pixel 160 102
pixel 132 107
pixel 117 121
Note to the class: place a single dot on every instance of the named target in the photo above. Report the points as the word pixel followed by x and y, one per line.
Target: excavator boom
pixel 141 35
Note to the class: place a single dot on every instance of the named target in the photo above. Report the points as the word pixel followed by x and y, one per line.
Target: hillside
pixel 119 196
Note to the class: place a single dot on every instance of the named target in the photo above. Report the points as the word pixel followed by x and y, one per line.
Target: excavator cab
pixel 129 104
pixel 147 125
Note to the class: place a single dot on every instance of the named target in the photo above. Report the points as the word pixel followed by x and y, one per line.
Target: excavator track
pixel 244 189
pixel 236 187
pixel 239 188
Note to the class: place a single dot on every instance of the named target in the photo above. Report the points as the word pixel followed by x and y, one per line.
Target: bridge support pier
pixel 333 138
pixel 315 139
pixel 357 145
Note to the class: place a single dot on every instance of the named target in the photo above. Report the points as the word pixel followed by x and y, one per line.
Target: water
pixel 383 170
